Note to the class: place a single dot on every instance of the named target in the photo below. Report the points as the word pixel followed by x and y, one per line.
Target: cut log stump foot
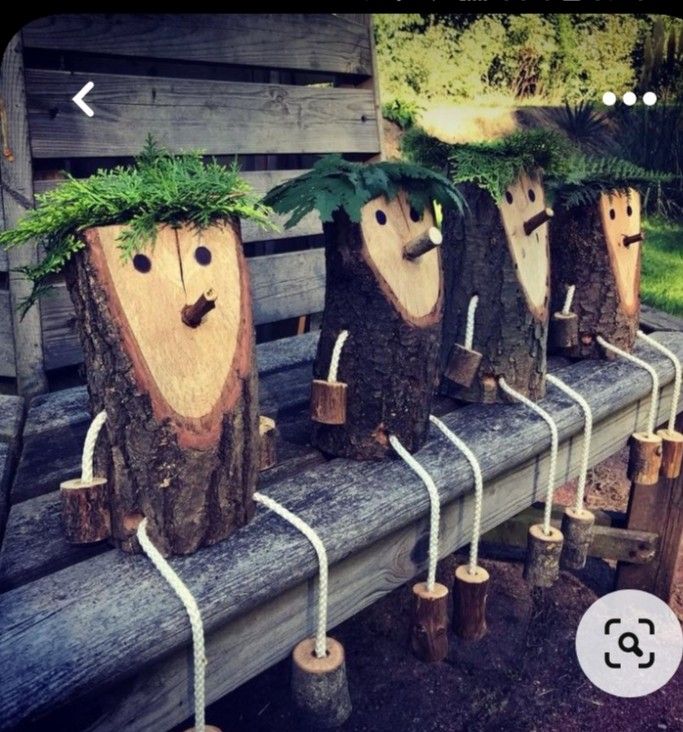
pixel 430 622
pixel 542 565
pixel 577 528
pixel 469 602
pixel 320 689
pixel 85 511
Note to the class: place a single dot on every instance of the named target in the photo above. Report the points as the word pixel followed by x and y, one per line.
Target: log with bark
pixel 596 247
pixel 498 251
pixel 384 286
pixel 169 354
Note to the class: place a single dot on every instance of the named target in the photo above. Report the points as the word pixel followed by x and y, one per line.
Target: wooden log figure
pixel 376 367
pixel 498 251
pixel 597 247
pixel 168 343
pixel 384 287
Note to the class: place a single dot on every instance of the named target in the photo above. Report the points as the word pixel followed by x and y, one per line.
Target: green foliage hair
pixel 336 184
pixel 159 188
pixel 493 165
pixel 569 175
pixel 586 178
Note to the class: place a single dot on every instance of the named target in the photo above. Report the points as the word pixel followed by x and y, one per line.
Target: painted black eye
pixel 381 217
pixel 629 211
pixel 508 196
pixel 142 263
pixel 415 215
pixel 532 195
pixel 202 255
pixel 612 214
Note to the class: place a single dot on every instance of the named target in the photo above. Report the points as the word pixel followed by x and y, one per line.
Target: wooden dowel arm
pixel 633 239
pixel 423 243
pixel 192 314
pixel 530 225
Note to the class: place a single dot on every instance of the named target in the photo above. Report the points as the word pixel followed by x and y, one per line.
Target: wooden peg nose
pixel 634 239
pixel 423 243
pixel 192 314
pixel 530 225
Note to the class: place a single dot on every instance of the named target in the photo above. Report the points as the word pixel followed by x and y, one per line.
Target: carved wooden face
pixel 620 216
pixel 412 285
pixel 528 239
pixel 188 372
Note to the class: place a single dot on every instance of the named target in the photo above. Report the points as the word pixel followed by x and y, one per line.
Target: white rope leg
pixel 478 489
pixel 89 446
pixel 568 300
pixel 675 399
pixel 193 613
pixel 435 507
pixel 587 435
pixel 336 355
pixel 310 534
pixel 554 444
pixel 469 328
pixel 652 417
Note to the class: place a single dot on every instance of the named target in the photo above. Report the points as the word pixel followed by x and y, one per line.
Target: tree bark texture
pixel 580 257
pixel 511 337
pixel 390 364
pixel 193 488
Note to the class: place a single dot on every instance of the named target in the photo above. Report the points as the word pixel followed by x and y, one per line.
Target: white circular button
pixel 609 98
pixel 629 99
pixel 649 98
pixel 629 643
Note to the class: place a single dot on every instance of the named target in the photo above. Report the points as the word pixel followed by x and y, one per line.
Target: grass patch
pixel 662 276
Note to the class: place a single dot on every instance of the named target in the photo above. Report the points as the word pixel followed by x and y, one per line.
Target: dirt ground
pixel 523 675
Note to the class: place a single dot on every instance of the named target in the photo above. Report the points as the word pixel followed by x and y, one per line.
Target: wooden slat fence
pixel 276 90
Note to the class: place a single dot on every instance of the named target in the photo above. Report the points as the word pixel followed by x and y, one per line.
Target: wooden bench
pixel 96 634
pixel 99 631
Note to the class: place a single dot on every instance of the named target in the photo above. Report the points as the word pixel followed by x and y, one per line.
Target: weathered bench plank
pixel 655 320
pixel 97 616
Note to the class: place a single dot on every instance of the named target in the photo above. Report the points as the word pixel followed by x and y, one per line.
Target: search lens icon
pixel 633 646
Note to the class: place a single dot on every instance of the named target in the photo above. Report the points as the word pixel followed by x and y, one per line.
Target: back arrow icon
pixel 78 99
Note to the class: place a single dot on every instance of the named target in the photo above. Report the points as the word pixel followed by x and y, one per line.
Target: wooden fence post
pixel 657 508
pixel 17 196
pixel 671 545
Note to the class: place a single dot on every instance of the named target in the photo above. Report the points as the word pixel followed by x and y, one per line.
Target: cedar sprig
pixel 336 184
pixel 159 188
